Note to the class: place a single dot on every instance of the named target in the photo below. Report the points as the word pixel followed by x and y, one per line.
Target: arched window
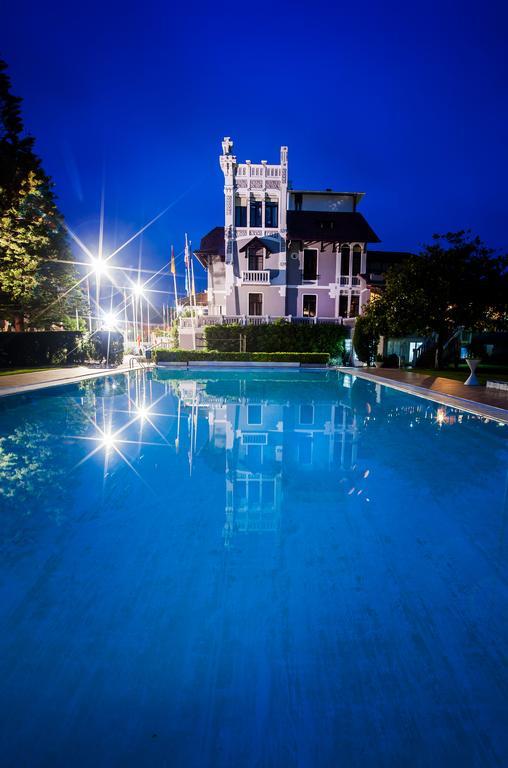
pixel 344 260
pixel 357 260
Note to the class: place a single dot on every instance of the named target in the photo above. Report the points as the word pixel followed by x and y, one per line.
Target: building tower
pixel 255 234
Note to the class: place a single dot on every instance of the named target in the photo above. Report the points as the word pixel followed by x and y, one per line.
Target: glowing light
pixel 142 411
pixel 138 290
pixel 441 416
pixel 99 267
pixel 110 321
pixel 108 441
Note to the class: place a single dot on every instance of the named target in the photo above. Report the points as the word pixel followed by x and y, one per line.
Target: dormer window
pixel 255 256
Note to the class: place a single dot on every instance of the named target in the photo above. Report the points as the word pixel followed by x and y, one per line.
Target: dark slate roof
pixel 256 242
pixel 344 227
pixel 212 244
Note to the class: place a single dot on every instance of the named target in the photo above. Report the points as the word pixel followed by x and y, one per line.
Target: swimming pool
pixel 268 568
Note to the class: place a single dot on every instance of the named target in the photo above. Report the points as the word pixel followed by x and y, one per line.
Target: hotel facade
pixel 285 253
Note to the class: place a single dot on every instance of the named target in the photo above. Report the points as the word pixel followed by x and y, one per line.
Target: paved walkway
pixel 480 400
pixel 23 382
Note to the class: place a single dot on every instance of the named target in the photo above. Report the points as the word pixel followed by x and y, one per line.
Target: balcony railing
pixel 256 276
pixel 202 320
pixel 347 280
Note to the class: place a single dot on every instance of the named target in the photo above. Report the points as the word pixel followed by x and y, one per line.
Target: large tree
pixel 35 268
pixel 455 281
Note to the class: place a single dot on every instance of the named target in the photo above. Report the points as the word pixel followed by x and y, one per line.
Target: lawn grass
pixel 484 372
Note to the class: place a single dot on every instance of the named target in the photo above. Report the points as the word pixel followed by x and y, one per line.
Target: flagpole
pixel 173 271
pixel 189 289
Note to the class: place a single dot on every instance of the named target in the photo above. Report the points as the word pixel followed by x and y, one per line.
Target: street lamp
pixel 110 321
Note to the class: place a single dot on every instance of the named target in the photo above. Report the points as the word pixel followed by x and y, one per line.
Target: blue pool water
pixel 250 569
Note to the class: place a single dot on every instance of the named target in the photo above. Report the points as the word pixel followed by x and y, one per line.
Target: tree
pixel 365 338
pixel 455 281
pixel 35 268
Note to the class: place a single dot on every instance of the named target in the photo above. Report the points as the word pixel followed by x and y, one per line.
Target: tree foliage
pixel 455 281
pixel 365 339
pixel 35 269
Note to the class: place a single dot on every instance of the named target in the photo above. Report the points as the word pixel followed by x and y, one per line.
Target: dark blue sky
pixel 407 102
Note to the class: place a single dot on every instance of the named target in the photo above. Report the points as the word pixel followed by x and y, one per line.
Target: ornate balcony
pixel 256 276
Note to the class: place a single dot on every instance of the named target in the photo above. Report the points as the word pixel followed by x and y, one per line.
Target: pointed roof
pixel 345 227
pixel 256 242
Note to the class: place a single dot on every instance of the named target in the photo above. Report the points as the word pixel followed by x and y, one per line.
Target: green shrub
pixel 30 348
pixel 184 356
pixel 280 336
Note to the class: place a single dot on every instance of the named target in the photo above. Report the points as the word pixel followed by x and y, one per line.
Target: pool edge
pixel 471 406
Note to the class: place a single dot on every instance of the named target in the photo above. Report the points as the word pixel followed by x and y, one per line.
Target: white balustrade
pixel 256 276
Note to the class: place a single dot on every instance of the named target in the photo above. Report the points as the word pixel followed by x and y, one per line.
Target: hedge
pixel 279 336
pixel 19 350
pixel 185 355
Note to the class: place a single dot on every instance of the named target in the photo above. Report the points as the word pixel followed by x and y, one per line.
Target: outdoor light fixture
pixel 99 267
pixel 110 321
pixel 137 290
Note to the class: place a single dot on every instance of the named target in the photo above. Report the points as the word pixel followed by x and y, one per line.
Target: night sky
pixel 406 102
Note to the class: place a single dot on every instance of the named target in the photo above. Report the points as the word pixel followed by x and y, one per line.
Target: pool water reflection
pixel 250 568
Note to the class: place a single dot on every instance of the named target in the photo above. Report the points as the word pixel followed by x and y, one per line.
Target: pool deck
pixel 17 383
pixel 491 403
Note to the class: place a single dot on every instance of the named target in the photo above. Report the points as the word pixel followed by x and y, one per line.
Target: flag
pixel 187 265
pixel 173 270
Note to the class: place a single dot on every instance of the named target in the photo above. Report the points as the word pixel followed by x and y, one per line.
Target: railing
pixel 259 169
pixel 346 280
pixel 256 276
pixel 200 322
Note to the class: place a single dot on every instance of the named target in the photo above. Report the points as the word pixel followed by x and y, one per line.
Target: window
pixel 343 306
pixel 309 306
pixel 240 215
pixel 309 264
pixel 271 214
pixel 355 306
pixel 298 201
pixel 255 213
pixel 344 262
pixel 254 414
pixel 255 258
pixel 357 259
pixel 255 303
pixel 306 414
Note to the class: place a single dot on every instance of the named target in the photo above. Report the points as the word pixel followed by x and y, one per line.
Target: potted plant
pixel 379 361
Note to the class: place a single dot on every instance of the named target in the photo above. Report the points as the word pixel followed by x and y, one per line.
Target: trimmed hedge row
pixel 184 356
pixel 30 348
pixel 277 336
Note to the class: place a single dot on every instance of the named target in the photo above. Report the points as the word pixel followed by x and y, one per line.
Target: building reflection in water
pixel 268 444
pixel 276 439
